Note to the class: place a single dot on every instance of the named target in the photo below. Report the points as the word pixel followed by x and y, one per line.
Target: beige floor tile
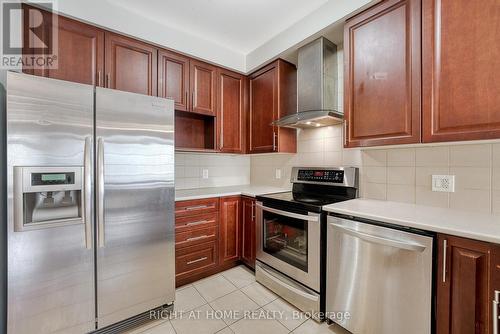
pixel 188 299
pixel 259 293
pixel 199 321
pixel 145 327
pixel 313 327
pixel 240 276
pixel 288 315
pixel 234 306
pixel 214 287
pixel 163 328
pixel 226 330
pixel 258 326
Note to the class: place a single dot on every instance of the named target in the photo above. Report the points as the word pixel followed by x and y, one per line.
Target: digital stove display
pixel 332 176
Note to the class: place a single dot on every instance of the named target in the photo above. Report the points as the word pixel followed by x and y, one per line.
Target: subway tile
pixel 374 191
pixel 432 156
pixel 401 157
pixel 471 177
pixel 425 196
pixel 495 201
pixel 333 144
pixel 374 158
pixel 423 175
pixel 351 157
pixel 401 193
pixel 375 174
pixel 496 154
pixel 332 159
pixel 401 175
pixel 470 155
pixel 471 200
pixel 334 131
pixel 495 182
pixel 312 145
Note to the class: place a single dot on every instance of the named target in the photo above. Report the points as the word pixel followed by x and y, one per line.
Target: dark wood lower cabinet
pixel 468 275
pixel 248 231
pixel 207 237
pixel 230 229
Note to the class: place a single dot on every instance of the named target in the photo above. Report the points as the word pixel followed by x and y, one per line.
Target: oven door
pixel 290 243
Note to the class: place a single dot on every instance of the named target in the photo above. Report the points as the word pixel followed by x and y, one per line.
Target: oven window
pixel 286 239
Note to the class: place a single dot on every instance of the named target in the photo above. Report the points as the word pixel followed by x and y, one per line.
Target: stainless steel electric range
pixel 291 234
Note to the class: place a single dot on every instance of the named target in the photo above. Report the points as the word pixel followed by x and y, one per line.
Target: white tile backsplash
pixel 223 170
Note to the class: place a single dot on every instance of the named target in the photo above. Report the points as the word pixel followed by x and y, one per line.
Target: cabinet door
pixel 382 75
pixel 248 231
pixel 80 48
pixel 203 84
pixel 463 303
pixel 263 110
pixel 230 111
pixel 173 78
pixel 461 62
pixel 229 229
pixel 131 65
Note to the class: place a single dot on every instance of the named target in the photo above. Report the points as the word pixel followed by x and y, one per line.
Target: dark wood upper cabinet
pixel 248 231
pixel 461 63
pixel 173 78
pixel 131 65
pixel 273 94
pixel 203 85
pixel 231 94
pixel 383 75
pixel 80 48
pixel 463 288
pixel 229 229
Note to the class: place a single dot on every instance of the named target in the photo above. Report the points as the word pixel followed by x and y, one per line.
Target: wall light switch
pixel 443 183
pixel 205 173
pixel 278 173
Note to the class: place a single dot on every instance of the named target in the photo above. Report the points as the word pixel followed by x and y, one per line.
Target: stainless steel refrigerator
pixel 90 225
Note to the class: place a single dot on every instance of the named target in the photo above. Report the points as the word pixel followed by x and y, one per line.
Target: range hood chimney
pixel 317 87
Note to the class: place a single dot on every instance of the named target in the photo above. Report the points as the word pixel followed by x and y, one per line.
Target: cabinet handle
pixel 197 207
pixel 192 100
pixel 253 211
pixel 199 238
pixel 274 141
pixel 197 260
pixel 496 302
pixel 186 100
pixel 345 133
pixel 445 245
pixel 99 82
pixel 201 222
pixel 107 80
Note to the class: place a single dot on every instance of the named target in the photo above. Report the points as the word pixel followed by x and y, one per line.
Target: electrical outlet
pixel 278 173
pixel 205 173
pixel 443 183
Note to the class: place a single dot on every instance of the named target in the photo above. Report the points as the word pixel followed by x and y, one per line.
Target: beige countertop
pixel 245 190
pixel 479 226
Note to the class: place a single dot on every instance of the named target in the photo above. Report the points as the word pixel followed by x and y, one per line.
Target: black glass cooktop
pixel 307 197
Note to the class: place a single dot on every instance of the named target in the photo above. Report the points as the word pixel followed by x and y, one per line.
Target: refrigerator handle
pixel 87 191
pixel 100 192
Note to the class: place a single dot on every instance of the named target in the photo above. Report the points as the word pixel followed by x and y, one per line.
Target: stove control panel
pixel 321 175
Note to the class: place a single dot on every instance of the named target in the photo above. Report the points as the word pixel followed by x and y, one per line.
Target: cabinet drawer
pixel 196 207
pixel 189 223
pixel 191 260
pixel 195 237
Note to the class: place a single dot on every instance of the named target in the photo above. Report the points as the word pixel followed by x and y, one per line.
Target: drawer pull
pixel 200 222
pixel 197 207
pixel 197 260
pixel 199 238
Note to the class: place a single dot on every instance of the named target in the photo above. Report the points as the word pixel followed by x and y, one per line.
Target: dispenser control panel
pixel 45 179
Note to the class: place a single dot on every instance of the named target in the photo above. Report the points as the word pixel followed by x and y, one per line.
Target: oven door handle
pixel 311 218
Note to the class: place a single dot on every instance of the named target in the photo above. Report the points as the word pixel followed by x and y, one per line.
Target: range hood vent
pixel 317 87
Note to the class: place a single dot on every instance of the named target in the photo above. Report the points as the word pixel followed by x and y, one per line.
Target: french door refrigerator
pixel 90 206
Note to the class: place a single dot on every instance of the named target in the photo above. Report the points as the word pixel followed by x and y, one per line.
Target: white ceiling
pixel 237 34
pixel 240 25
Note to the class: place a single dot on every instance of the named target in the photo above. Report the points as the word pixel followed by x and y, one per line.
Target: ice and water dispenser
pixel 47 197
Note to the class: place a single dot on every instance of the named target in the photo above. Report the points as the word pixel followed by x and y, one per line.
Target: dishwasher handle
pixel 401 244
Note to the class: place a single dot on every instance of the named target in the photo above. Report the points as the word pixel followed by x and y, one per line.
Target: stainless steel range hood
pixel 317 87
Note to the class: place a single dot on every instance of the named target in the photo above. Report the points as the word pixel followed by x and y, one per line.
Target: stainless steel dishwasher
pixel 379 279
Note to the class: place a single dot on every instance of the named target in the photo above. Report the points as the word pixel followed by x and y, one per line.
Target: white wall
pixel 223 170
